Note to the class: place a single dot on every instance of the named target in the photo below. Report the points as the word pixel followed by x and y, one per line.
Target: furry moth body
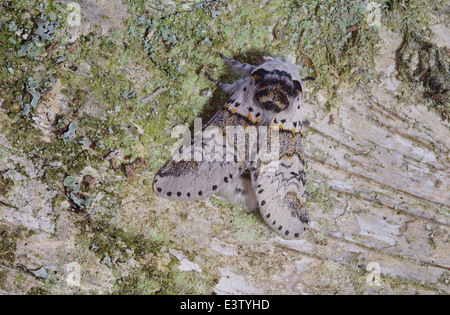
pixel 267 95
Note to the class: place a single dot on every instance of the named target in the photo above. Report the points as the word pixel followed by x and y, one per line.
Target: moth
pixel 267 97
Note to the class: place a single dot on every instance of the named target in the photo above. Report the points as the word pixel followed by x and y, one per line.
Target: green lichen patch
pixel 153 281
pixel 120 251
pixel 72 155
pixel 25 32
pixel 192 283
pixel 5 185
pixel 38 291
pixel 147 281
pixel 8 244
pixel 248 225
pixel 409 14
pixel 104 239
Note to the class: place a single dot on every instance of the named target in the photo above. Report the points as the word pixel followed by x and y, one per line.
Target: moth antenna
pixel 240 68
pixel 223 57
pixel 221 84
pixel 306 123
pixel 308 79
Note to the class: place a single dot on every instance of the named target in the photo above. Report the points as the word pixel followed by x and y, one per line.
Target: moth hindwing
pixel 251 149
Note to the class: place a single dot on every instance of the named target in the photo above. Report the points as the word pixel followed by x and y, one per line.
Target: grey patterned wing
pixel 207 170
pixel 280 182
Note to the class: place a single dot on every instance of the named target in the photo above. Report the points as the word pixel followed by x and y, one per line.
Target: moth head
pixel 277 84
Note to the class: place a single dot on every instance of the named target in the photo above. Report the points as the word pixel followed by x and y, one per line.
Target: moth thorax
pixel 273 97
pixel 276 89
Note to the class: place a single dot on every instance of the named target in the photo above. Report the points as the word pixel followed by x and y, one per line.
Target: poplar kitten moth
pixel 267 97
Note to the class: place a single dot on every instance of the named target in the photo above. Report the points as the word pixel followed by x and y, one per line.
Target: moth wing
pixel 279 180
pixel 197 178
